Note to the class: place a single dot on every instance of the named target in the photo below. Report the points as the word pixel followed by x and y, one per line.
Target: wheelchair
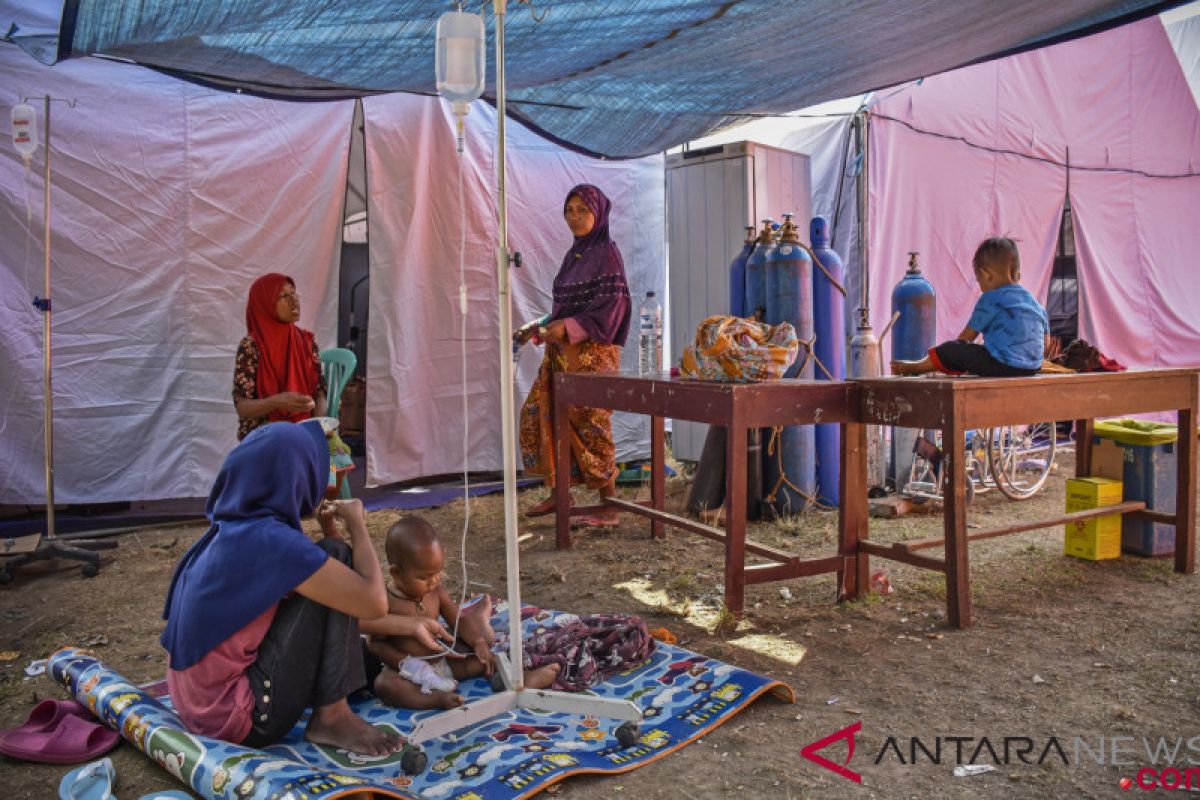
pixel 1016 459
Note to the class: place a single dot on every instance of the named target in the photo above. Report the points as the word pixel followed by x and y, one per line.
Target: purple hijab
pixel 590 285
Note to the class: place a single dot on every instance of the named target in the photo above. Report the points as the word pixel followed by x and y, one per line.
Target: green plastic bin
pixel 1149 475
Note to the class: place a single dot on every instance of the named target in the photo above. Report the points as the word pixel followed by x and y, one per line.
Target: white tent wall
pixel 167 201
pixel 1185 38
pixel 1120 102
pixel 414 384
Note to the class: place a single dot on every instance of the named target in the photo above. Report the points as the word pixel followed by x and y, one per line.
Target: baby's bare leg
pixel 403 693
pixel 463 668
pixel 480 616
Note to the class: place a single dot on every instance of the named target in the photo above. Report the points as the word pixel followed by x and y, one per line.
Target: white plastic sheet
pixel 167 201
pixel 414 390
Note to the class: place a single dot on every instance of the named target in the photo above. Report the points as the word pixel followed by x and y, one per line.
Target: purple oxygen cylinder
pixel 829 313
pixel 737 276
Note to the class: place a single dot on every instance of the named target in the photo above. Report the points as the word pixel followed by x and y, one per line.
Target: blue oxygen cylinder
pixel 829 313
pixel 737 276
pixel 912 336
pixel 756 272
pixel 789 479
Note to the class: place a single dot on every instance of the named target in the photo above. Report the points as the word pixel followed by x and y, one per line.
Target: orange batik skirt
pixel 593 454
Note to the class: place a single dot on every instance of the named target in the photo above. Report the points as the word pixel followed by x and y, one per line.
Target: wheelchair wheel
pixel 1021 457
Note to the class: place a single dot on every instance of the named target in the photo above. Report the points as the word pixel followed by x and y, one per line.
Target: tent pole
pixel 862 136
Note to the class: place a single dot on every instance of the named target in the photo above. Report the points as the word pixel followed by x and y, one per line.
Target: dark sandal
pixel 593 521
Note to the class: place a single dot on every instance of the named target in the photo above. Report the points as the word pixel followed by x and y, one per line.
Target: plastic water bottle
pixel 650 336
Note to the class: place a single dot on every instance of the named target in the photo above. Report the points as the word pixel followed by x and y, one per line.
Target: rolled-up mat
pixel 210 767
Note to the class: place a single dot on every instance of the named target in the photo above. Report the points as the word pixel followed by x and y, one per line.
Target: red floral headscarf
pixel 285 360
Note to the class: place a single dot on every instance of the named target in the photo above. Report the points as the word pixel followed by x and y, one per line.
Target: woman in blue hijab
pixel 262 622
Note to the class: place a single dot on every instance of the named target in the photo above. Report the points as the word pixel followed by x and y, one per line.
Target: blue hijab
pixel 255 552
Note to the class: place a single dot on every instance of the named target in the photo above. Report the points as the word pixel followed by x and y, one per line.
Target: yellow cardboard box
pixel 1100 537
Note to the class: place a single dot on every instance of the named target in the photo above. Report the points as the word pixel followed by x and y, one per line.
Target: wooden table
pixel 955 405
pixel 738 407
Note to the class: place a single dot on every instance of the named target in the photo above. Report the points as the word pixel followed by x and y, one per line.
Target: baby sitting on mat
pixel 1015 329
pixel 413 675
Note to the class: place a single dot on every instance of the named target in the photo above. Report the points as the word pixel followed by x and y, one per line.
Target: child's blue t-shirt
pixel 1014 326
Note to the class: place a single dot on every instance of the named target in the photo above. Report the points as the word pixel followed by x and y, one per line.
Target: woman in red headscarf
pixel 278 373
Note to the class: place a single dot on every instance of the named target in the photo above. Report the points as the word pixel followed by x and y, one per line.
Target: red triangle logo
pixel 810 752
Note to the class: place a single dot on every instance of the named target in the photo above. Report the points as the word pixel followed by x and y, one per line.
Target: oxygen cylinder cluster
pixel 774 279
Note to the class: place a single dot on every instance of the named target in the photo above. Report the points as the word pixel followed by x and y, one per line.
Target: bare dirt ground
pixel 1093 655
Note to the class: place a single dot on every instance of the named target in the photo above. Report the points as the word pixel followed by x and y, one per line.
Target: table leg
pixel 853 520
pixel 735 516
pixel 657 480
pixel 1085 431
pixel 562 474
pixel 1185 488
pixel 954 487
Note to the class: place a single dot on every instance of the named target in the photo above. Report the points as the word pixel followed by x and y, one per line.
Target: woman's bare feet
pixel 541 677
pixel 608 517
pixel 542 508
pixel 336 725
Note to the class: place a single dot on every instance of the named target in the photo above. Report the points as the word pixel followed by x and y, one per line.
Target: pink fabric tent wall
pixel 981 151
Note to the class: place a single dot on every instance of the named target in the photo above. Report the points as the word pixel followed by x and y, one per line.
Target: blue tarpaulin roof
pixel 610 77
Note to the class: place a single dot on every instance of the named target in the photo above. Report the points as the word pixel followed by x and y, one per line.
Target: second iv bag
pixel 24 130
pixel 459 62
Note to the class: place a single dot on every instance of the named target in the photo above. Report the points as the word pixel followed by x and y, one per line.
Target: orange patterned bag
pixel 739 350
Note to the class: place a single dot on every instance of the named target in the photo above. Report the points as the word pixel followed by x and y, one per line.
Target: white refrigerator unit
pixel 712 195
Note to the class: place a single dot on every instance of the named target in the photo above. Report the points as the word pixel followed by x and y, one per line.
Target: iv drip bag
pixel 459 62
pixel 24 130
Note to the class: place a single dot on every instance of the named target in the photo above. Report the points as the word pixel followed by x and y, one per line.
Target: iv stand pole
pixel 512 668
pixel 52 546
pixel 47 395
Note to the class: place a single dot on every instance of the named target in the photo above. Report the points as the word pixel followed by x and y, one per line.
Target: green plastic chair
pixel 339 364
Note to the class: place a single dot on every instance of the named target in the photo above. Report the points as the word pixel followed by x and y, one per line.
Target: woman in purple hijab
pixel 584 332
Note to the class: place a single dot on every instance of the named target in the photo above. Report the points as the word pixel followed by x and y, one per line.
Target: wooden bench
pixel 956 405
pixel 738 407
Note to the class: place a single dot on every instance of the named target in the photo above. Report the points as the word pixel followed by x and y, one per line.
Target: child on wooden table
pixel 414 675
pixel 1014 325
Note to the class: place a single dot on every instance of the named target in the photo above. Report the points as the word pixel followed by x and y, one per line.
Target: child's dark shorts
pixel 956 357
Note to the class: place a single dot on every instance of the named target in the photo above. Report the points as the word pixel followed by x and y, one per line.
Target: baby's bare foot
pixel 337 726
pixel 541 677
